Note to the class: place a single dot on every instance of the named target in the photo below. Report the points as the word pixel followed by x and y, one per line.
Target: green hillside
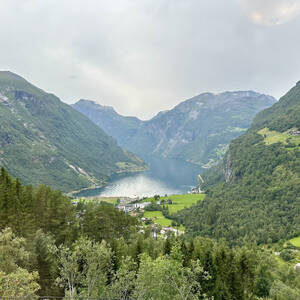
pixel 254 195
pixel 43 140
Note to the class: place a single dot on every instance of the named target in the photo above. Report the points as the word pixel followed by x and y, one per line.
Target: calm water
pixel 165 176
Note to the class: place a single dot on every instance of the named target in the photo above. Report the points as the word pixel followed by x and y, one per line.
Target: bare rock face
pixel 228 171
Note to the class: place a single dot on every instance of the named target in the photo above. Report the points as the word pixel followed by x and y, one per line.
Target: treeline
pixel 48 246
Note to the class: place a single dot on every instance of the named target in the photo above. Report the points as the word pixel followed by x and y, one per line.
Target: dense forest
pixel 254 194
pixel 51 246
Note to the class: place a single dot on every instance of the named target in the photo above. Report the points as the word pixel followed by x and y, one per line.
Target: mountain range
pixel 43 140
pixel 197 130
pixel 254 193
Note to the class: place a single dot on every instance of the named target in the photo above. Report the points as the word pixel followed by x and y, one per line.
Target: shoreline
pixel 73 193
pixel 114 176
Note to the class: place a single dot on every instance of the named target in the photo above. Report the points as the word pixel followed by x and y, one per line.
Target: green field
pixel 111 200
pixel 295 241
pixel 272 137
pixel 180 201
pixel 158 218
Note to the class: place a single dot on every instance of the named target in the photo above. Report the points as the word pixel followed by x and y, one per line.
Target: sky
pixel 144 56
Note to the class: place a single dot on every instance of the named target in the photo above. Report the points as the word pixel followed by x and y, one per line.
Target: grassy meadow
pixel 158 218
pixel 295 241
pixel 272 137
pixel 110 200
pixel 179 202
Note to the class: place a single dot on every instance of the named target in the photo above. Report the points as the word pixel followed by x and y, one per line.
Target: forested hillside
pixel 43 140
pixel 49 246
pixel 254 195
pixel 197 130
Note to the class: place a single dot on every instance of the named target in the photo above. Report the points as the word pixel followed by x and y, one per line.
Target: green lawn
pixel 295 241
pixel 158 218
pixel 180 201
pixel 272 137
pixel 111 200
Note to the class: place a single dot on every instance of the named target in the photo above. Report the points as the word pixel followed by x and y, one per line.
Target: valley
pixel 141 217
pixel 197 130
pixel 164 176
pixel 150 150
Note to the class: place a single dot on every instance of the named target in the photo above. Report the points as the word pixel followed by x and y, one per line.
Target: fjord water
pixel 165 176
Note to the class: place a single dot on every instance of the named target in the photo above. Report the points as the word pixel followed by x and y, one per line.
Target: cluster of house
pixel 294 132
pixel 129 207
pixel 163 231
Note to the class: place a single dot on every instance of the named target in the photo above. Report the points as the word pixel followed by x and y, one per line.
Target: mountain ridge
pixel 196 130
pixel 43 140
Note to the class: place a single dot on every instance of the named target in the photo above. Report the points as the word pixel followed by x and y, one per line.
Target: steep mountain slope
pixel 197 130
pixel 120 127
pixel 255 193
pixel 43 140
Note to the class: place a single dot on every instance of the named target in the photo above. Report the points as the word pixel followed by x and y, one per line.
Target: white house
pixel 141 205
pixel 297 266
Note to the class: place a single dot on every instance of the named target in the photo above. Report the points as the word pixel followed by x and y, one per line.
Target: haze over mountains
pixel 43 140
pixel 197 130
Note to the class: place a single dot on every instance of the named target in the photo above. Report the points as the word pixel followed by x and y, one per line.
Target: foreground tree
pixel 20 283
pixel 83 268
pixel 96 265
pixel 166 278
pixel 69 275
pixel 15 280
pixel 123 280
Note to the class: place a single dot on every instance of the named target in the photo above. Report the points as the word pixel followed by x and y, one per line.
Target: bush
pixel 287 255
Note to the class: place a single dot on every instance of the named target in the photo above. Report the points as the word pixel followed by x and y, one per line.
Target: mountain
pixel 120 127
pixel 197 130
pixel 254 194
pixel 43 140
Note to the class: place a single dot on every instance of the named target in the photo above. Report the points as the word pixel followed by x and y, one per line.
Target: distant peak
pixel 248 93
pixel 87 101
pixel 159 114
pixel 18 83
pixel 10 75
pixel 94 103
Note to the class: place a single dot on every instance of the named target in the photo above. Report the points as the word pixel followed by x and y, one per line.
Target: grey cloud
pixel 271 12
pixel 142 56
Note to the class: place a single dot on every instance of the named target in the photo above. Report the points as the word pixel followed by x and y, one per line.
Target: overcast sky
pixel 143 56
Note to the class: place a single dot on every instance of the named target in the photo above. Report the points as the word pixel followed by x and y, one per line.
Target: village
pixel 294 132
pixel 136 206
